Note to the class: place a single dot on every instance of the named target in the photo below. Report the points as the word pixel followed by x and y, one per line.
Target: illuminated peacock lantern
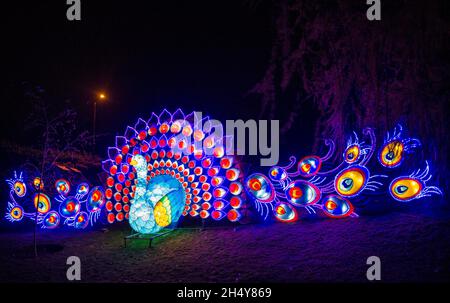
pixel 167 167
pixel 171 166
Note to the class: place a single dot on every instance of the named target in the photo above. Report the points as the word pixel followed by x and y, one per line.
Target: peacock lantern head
pixel 138 161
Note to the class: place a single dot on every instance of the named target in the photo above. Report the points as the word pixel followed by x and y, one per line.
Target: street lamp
pixel 98 98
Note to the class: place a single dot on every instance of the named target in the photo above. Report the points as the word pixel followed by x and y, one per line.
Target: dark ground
pixel 412 248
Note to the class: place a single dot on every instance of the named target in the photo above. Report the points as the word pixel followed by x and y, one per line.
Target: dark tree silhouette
pixel 362 73
pixel 58 146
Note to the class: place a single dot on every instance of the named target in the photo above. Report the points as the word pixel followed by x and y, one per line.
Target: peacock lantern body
pixel 158 202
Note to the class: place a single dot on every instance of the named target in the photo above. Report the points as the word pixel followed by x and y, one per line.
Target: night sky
pixel 146 55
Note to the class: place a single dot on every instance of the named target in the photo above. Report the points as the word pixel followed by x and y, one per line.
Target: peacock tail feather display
pixel 167 167
pixel 304 184
pixel 54 209
pixel 170 166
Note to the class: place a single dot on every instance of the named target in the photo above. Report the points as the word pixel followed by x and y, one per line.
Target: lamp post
pixel 99 97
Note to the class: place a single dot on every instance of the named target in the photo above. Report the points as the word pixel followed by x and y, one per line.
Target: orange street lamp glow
pixel 100 97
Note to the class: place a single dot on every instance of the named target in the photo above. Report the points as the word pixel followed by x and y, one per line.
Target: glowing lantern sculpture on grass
pixel 167 167
pixel 407 188
pixel 331 190
pixel 49 215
